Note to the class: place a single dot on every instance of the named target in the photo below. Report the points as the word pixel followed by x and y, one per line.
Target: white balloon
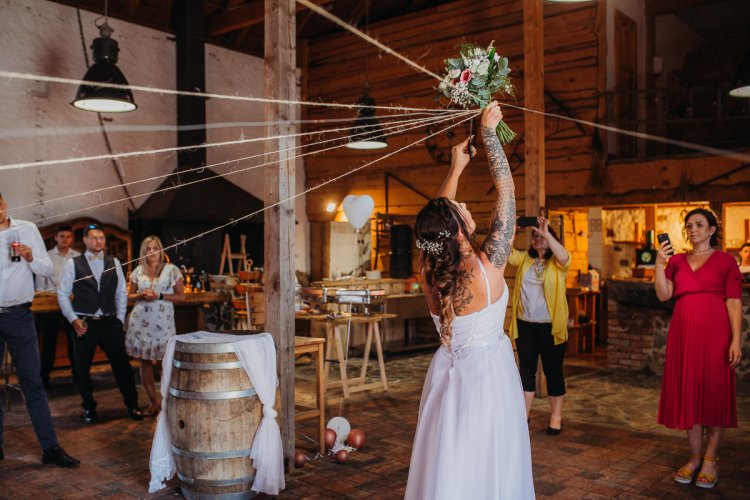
pixel 358 209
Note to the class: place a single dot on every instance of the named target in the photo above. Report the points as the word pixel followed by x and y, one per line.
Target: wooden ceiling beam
pixel 244 16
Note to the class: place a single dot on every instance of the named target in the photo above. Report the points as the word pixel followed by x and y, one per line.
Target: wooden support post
pixel 280 83
pixel 533 96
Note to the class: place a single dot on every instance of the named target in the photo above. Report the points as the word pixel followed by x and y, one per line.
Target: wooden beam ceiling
pixel 243 16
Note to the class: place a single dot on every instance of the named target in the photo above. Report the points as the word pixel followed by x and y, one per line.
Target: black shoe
pixel 553 432
pixel 135 413
pixel 57 456
pixel 90 416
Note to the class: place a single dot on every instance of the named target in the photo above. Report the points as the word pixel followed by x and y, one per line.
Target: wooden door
pixel 626 82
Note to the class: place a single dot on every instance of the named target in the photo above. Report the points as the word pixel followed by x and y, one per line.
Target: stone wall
pixel 638 324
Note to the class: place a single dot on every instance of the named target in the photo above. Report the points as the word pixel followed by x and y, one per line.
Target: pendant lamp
pixel 91 97
pixel 741 84
pixel 366 132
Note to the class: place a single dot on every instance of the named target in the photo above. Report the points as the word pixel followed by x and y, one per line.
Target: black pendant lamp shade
pixel 366 132
pixel 741 86
pixel 104 70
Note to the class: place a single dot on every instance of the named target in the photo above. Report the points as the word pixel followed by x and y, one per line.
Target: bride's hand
pixel 492 115
pixel 460 156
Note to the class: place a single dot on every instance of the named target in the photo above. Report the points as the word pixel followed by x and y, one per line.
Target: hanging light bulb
pixel 366 132
pixel 91 97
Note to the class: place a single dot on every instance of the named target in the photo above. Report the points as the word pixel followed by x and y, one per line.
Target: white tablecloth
pixel 258 356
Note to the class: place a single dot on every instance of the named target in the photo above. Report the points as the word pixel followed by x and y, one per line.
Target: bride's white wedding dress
pixel 472 438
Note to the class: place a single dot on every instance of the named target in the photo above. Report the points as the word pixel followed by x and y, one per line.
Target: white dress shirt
pixel 17 278
pixel 49 283
pixel 96 263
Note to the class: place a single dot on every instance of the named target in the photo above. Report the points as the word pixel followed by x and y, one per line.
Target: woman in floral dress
pixel 154 285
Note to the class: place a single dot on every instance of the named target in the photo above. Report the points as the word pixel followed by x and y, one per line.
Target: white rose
pixel 454 73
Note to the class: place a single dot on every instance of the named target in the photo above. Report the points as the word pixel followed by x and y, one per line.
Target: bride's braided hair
pixel 437 228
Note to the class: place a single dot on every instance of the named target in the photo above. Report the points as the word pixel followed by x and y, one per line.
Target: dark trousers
pixel 534 340
pixel 106 333
pixel 18 333
pixel 48 326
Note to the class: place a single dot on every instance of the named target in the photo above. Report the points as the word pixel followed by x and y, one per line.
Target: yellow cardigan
pixel 554 293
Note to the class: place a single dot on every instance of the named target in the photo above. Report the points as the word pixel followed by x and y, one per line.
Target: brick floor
pixel 610 446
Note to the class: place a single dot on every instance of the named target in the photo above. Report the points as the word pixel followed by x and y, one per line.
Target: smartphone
pixel 527 222
pixel 661 238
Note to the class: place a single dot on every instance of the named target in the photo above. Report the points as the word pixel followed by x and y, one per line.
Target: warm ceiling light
pixel 91 97
pixel 330 207
pixel 366 132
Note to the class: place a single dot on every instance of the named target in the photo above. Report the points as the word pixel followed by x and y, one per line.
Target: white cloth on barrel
pixel 257 354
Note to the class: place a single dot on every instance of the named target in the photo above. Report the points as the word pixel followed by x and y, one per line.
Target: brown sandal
pixel 685 475
pixel 708 480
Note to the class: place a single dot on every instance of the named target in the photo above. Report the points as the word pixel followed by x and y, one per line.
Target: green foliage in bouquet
pixel 475 77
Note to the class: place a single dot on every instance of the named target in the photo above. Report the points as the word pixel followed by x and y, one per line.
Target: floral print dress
pixel 151 324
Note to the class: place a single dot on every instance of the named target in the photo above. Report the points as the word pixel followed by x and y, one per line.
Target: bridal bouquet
pixel 474 77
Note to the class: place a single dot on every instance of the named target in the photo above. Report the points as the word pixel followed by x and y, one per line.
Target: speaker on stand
pixel 400 251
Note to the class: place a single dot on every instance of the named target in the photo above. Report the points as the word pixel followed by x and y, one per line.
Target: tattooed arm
pixel 499 242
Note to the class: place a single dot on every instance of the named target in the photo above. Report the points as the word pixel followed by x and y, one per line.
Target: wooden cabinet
pixel 582 320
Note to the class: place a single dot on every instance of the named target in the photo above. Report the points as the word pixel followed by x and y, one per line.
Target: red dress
pixel 698 386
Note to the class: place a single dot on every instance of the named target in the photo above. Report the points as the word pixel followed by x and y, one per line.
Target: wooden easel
pixel 227 256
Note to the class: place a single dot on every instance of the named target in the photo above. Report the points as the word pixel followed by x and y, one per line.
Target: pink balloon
pixel 356 438
pixel 330 438
pixel 342 456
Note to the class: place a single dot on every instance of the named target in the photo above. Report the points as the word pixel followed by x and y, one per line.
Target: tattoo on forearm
pixel 498 244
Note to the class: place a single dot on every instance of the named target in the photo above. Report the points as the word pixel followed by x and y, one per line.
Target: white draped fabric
pixel 258 356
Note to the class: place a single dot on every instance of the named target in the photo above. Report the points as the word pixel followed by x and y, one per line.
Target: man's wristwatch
pixel 161 296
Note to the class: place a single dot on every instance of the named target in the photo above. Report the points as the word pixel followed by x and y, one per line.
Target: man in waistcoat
pixel 97 313
pixel 22 253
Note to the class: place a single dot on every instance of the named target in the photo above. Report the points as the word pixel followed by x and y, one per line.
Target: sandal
pixel 708 480
pixel 685 475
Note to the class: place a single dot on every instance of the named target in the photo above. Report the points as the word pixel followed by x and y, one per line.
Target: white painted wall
pixel 42 37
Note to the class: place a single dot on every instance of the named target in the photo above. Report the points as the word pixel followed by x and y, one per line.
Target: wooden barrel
pixel 214 413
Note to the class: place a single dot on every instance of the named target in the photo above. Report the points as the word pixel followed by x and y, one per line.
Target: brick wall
pixel 638 323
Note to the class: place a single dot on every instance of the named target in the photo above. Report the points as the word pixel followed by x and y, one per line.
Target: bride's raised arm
pixel 499 242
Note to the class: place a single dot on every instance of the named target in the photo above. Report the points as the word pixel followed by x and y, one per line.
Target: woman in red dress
pixel 703 345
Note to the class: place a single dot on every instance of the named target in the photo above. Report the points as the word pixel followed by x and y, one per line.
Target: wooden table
pixel 335 346
pixel 190 316
pixel 46 302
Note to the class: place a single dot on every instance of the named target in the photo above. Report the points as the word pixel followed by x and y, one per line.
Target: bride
pixel 472 438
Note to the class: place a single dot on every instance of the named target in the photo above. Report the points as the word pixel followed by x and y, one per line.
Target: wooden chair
pixel 314 346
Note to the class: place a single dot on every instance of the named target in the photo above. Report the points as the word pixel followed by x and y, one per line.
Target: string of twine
pixel 389 126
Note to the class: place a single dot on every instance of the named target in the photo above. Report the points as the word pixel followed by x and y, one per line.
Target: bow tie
pixel 92 257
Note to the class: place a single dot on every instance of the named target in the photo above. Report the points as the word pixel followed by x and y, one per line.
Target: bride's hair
pixel 437 228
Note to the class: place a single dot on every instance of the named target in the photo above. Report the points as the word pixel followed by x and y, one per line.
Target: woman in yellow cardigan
pixel 539 316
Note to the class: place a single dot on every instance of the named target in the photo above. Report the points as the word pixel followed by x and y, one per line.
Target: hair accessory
pixel 434 247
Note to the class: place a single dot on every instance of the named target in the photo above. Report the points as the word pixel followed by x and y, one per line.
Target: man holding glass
pixel 22 253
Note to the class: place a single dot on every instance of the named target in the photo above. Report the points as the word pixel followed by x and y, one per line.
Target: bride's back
pixel 473 288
